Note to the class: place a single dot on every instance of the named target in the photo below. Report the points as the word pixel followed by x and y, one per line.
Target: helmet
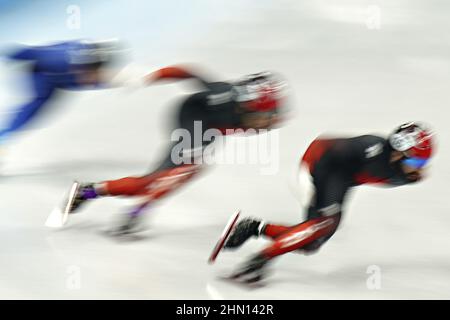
pixel 97 53
pixel 413 138
pixel 260 92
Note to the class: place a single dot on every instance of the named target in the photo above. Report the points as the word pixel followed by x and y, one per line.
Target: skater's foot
pixel 84 193
pixel 130 224
pixel 253 271
pixel 243 231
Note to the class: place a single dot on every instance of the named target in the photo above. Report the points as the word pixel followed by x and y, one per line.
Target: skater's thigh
pixel 188 145
pixel 184 151
pixel 327 202
pixel 329 196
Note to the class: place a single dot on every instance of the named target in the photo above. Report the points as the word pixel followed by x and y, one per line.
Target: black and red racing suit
pixel 336 166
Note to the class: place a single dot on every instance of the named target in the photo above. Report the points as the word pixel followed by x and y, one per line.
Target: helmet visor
pixel 416 163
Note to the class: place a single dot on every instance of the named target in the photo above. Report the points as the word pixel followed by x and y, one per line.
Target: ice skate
pixel 243 231
pixel 251 272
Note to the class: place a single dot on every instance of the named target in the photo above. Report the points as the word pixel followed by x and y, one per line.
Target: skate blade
pixel 55 219
pixel 223 238
pixel 59 216
pixel 243 283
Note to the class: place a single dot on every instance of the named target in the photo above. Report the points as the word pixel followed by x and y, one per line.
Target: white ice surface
pixel 346 79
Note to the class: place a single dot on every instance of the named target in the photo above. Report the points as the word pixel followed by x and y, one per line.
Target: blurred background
pixel 354 67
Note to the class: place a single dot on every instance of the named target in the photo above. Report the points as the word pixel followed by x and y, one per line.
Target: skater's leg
pixel 128 186
pixel 273 230
pixel 167 178
pixel 294 238
pixel 303 234
pixel 173 170
pixel 156 184
pixel 179 167
pixel 153 187
pixel 323 219
pixel 42 92
pixel 249 227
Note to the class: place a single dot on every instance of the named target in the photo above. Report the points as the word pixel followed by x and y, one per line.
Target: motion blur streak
pixel 354 67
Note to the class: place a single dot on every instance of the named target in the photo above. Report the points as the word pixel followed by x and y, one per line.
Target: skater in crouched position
pixel 251 102
pixel 334 167
pixel 70 65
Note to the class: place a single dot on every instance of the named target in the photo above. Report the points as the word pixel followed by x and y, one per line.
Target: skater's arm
pixel 27 111
pixel 23 54
pixel 21 117
pixel 173 73
pixel 29 53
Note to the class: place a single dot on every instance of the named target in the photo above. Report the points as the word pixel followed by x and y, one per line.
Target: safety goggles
pixel 415 163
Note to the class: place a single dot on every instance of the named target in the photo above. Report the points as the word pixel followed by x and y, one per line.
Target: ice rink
pixel 354 67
